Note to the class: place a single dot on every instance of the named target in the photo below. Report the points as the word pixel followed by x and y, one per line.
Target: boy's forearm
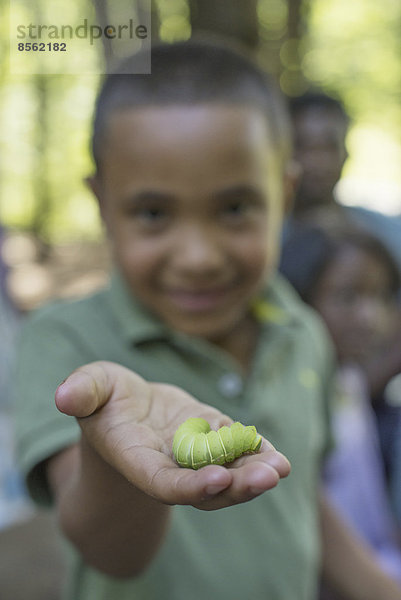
pixel 348 565
pixel 116 527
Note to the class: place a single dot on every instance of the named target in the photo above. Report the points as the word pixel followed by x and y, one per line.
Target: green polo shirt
pixel 264 549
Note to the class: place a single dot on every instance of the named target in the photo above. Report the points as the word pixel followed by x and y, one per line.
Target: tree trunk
pixel 230 18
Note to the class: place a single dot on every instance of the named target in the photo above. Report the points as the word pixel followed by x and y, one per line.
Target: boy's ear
pixel 94 184
pixel 291 178
pixel 92 181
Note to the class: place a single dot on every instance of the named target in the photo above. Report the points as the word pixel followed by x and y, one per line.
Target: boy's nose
pixel 197 250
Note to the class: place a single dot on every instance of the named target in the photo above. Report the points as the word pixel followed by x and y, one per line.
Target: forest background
pixel 351 50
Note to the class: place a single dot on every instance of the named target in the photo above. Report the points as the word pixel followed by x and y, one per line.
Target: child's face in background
pixel 354 298
pixel 191 198
pixel 319 148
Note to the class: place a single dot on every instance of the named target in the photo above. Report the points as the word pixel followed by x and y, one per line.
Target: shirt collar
pixel 278 304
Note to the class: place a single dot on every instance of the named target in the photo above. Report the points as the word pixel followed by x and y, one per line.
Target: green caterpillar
pixel 195 445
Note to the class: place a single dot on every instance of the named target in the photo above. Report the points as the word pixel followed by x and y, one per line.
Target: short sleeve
pixel 48 351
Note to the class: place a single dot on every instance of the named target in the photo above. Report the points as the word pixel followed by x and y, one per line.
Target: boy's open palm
pixel 131 424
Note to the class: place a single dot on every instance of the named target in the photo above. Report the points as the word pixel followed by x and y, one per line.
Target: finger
pixel 252 476
pixel 88 388
pixel 269 455
pixel 214 486
pixel 242 489
pixel 275 459
pixel 174 485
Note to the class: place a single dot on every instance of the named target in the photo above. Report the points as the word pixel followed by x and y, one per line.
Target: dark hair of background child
pixel 311 249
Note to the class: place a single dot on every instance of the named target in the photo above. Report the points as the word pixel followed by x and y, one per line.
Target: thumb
pixel 91 386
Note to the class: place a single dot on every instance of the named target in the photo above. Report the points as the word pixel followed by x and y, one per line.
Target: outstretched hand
pixel 131 423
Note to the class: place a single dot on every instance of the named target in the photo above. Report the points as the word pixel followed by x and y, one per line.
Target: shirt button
pixel 230 385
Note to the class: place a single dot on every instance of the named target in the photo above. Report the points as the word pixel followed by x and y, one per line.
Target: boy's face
pixel 191 198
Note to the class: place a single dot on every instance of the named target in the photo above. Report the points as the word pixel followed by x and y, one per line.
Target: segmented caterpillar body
pixel 195 445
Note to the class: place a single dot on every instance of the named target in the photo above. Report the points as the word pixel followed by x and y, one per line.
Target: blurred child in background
pixel 348 276
pixel 320 127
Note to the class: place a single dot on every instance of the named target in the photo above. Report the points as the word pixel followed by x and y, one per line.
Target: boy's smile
pixel 191 198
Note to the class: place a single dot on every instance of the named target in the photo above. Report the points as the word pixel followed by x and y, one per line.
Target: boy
pixel 190 167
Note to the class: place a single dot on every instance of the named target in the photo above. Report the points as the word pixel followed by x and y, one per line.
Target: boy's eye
pixel 236 208
pixel 147 208
pixel 241 204
pixel 149 215
pixel 239 212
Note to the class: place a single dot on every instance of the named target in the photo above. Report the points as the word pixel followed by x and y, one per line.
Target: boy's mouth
pixel 198 300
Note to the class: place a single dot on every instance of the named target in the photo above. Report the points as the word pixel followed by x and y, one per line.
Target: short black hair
pixel 192 72
pixel 312 100
pixel 310 249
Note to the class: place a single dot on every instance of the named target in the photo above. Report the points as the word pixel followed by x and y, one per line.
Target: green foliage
pixel 45 156
pixel 350 49
pixel 45 125
pixel 353 49
pixel 174 18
